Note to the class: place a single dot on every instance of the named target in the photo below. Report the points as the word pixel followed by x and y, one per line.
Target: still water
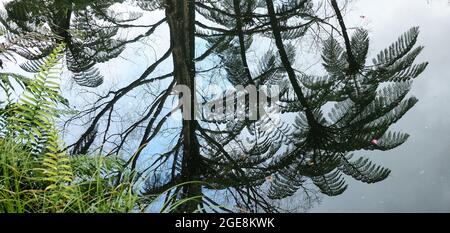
pixel 420 169
pixel 420 178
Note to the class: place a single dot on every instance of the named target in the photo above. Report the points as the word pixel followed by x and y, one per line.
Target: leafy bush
pixel 36 175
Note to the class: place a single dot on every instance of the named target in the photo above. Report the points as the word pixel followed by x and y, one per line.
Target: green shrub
pixel 26 188
pixel 36 175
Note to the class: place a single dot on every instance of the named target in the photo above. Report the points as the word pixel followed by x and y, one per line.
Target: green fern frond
pixel 35 110
pixel 57 170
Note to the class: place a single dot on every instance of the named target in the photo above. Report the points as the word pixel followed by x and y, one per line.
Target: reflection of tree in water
pixel 88 28
pixel 248 164
pixel 367 101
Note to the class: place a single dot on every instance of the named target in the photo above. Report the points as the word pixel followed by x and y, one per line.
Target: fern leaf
pixel 360 45
pixel 333 57
pixel 332 184
pixel 363 170
pixel 398 49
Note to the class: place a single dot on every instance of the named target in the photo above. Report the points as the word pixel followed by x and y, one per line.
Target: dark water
pixel 420 168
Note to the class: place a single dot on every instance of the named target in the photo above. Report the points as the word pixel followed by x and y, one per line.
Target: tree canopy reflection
pixel 324 119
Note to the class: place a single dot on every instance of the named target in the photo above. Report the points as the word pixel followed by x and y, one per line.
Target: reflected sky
pixel 420 178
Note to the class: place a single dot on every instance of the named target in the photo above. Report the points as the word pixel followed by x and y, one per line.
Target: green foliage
pixel 21 188
pixel 32 120
pixel 57 171
pixel 36 175
pixel 30 185
pixel 232 156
